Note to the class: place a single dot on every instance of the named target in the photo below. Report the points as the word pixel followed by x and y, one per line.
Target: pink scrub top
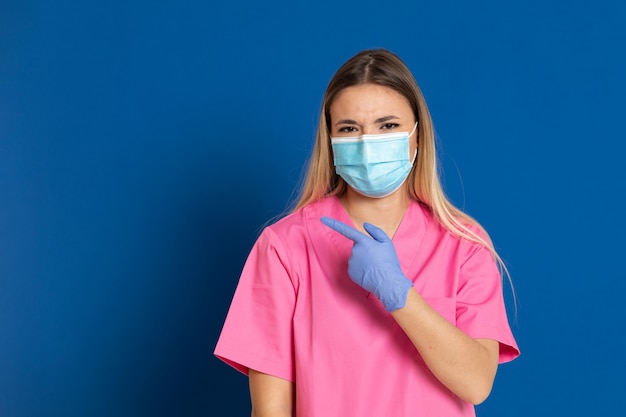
pixel 297 315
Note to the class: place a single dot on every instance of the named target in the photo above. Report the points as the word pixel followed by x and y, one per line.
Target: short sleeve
pixel 480 311
pixel 258 332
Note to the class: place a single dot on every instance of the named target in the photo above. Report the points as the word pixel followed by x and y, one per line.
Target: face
pixel 371 109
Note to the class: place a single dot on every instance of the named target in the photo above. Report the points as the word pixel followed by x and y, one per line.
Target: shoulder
pixel 300 222
pixel 292 235
pixel 463 233
pixel 289 242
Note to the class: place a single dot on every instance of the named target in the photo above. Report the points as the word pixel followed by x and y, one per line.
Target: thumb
pixel 376 232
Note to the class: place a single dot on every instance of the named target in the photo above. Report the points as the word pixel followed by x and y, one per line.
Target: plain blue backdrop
pixel 143 145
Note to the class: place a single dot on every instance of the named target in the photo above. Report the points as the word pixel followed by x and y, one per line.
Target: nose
pixel 369 130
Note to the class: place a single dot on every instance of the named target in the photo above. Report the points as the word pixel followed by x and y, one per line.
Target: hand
pixel 374 263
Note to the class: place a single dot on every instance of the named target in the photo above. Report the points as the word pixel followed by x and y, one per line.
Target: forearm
pixel 466 366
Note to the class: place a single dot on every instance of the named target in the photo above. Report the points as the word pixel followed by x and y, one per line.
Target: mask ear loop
pixel 411 134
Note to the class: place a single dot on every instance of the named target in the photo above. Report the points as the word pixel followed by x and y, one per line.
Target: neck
pixel 386 213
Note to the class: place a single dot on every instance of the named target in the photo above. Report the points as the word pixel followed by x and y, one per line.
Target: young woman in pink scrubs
pixel 375 296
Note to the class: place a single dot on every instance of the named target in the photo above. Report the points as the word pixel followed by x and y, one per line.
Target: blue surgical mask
pixel 374 165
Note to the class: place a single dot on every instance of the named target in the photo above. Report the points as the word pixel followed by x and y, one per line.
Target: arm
pixel 464 365
pixel 271 396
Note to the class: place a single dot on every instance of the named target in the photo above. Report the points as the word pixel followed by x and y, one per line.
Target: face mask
pixel 374 165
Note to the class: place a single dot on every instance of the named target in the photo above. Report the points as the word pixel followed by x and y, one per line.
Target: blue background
pixel 144 144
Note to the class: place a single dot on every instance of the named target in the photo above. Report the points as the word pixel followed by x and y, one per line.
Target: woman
pixel 375 296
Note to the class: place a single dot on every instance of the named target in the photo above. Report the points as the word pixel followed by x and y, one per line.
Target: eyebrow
pixel 379 120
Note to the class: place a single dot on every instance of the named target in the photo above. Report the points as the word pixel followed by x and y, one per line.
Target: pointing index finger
pixel 342 228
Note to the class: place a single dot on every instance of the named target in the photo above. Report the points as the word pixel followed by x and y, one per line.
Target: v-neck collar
pixel 407 239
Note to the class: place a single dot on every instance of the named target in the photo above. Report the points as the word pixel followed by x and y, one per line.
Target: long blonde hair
pixel 379 66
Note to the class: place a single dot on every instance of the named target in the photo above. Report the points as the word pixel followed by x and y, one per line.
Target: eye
pixel 348 129
pixel 389 126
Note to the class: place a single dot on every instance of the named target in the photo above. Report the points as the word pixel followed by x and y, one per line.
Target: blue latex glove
pixel 374 263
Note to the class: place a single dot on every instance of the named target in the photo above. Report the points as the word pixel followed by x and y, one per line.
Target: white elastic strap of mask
pixel 415 155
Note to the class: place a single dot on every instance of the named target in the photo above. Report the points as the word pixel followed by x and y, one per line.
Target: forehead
pixel 369 101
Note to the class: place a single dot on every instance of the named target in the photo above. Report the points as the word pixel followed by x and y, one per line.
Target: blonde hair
pixel 379 66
